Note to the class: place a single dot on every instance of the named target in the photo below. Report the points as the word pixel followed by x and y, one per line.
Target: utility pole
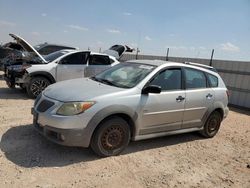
pixel 211 59
pixel 167 54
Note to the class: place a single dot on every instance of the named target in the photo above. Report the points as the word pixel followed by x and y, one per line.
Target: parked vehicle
pixel 13 52
pixel 135 100
pixel 76 64
pixel 17 69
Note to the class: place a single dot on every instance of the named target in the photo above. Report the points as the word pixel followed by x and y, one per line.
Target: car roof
pixel 171 63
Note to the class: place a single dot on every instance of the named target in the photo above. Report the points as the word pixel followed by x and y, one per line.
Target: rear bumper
pixel 226 111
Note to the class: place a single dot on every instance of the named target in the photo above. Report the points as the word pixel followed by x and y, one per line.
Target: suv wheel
pixel 111 137
pixel 36 86
pixel 212 125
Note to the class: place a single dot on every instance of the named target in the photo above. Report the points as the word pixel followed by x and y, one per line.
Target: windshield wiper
pixel 108 82
pixel 105 81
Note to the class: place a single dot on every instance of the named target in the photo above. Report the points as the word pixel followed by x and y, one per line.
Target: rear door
pixel 96 64
pixel 199 98
pixel 72 66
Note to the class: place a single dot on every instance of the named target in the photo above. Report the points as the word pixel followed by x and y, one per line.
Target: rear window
pixel 213 80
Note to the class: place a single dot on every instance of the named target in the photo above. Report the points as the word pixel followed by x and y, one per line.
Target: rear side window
pixel 99 60
pixel 195 79
pixel 213 80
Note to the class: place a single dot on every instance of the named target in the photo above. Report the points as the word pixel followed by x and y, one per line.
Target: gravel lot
pixel 187 160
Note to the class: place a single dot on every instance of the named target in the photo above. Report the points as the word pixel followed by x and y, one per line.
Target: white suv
pixel 73 64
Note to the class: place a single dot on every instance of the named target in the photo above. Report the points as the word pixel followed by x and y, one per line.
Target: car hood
pixel 118 50
pixel 78 90
pixel 27 46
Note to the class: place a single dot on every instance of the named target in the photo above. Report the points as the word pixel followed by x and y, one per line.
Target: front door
pixel 72 66
pixel 164 111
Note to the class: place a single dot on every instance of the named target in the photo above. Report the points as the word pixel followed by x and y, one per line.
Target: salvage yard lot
pixel 29 160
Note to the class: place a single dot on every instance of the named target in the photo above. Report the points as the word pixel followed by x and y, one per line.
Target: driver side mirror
pixel 151 89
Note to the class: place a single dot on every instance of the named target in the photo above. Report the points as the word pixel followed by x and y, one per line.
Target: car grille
pixel 44 105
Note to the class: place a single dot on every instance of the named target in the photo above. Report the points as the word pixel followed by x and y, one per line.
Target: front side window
pixel 124 75
pixel 169 79
pixel 75 59
pixel 195 79
pixel 213 80
pixel 99 60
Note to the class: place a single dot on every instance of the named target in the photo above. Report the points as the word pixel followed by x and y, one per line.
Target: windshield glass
pixel 124 75
pixel 55 55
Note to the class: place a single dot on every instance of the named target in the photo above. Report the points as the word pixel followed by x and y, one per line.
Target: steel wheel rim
pixel 112 138
pixel 38 86
pixel 213 125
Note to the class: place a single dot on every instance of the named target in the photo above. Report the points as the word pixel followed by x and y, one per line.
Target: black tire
pixel 212 125
pixel 111 137
pixel 36 86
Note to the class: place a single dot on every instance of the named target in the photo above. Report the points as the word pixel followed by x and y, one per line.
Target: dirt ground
pixel 187 160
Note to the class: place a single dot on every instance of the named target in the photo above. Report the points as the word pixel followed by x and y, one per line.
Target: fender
pixel 104 113
pixel 45 74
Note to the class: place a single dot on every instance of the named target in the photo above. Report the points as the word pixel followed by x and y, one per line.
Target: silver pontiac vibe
pixel 134 100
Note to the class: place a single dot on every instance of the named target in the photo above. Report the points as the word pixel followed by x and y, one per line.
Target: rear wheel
pixel 111 137
pixel 212 125
pixel 36 86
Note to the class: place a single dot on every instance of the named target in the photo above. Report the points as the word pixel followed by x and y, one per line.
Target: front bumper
pixel 66 137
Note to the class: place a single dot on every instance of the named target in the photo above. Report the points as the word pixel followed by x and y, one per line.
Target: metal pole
pixel 211 59
pixel 167 54
pixel 137 51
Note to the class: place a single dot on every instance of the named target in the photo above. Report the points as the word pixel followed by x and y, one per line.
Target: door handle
pixel 209 96
pixel 180 98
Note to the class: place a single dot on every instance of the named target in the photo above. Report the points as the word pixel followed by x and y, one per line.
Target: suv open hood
pixel 118 50
pixel 26 46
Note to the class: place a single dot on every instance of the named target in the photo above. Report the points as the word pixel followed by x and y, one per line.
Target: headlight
pixel 74 108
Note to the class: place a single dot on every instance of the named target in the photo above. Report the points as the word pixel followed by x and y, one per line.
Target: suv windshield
pixel 124 75
pixel 55 55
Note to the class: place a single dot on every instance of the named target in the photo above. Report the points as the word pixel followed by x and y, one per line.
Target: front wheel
pixel 36 86
pixel 212 125
pixel 111 137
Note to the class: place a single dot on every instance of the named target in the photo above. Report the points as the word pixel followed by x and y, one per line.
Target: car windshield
pixel 51 57
pixel 124 75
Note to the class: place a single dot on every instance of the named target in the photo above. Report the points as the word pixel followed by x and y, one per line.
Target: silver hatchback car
pixel 134 100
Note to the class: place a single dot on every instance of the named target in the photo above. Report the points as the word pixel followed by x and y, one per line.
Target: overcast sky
pixel 190 28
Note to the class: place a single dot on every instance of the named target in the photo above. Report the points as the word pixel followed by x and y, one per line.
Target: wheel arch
pixel 43 74
pixel 121 111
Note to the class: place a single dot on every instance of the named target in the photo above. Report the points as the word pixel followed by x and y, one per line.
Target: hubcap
pixel 38 86
pixel 112 138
